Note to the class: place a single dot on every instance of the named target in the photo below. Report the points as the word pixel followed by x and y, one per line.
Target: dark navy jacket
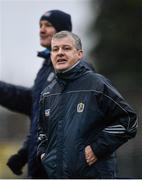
pixel 77 109
pixel 44 77
pixel 26 100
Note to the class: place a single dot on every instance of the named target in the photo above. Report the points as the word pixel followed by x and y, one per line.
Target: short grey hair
pixel 62 34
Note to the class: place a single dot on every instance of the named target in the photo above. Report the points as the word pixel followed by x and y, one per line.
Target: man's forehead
pixel 54 45
pixel 62 45
pixel 64 40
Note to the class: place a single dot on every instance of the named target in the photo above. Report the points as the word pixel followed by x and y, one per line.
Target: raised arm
pixel 16 98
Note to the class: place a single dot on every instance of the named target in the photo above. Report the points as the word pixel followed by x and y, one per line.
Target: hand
pixel 90 156
pixel 42 155
pixel 16 164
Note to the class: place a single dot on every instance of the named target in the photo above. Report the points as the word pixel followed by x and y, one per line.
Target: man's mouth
pixel 61 61
pixel 44 36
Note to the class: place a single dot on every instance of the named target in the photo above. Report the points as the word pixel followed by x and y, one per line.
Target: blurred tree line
pixel 119 41
pixel 117 54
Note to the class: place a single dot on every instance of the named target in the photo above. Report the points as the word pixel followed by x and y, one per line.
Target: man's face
pixel 64 53
pixel 46 33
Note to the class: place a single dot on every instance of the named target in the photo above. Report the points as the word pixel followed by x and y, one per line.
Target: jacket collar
pixel 45 54
pixel 74 72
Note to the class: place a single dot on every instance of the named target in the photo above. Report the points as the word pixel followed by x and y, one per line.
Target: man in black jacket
pixel 83 118
pixel 26 100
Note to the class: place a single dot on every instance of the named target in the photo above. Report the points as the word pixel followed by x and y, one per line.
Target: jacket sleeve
pixel 120 123
pixel 42 134
pixel 16 98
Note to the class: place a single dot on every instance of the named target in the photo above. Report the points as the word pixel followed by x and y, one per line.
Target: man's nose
pixel 60 51
pixel 42 29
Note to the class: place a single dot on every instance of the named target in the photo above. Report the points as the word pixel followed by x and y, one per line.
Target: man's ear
pixel 80 54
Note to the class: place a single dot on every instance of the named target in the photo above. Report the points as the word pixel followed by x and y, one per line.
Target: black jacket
pixel 77 109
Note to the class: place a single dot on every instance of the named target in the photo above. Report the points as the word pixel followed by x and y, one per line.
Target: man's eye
pixel 49 25
pixel 54 50
pixel 67 48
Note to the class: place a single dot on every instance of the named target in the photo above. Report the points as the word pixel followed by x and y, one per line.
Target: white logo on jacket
pixel 80 107
pixel 47 112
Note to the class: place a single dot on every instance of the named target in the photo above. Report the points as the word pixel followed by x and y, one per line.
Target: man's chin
pixel 60 69
pixel 45 44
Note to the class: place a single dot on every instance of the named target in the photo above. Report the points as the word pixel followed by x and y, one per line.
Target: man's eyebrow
pixel 61 45
pixel 55 46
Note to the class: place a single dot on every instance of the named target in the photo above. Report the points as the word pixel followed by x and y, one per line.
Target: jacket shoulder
pixel 98 81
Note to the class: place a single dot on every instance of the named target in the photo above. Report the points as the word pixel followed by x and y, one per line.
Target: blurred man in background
pixel 26 100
